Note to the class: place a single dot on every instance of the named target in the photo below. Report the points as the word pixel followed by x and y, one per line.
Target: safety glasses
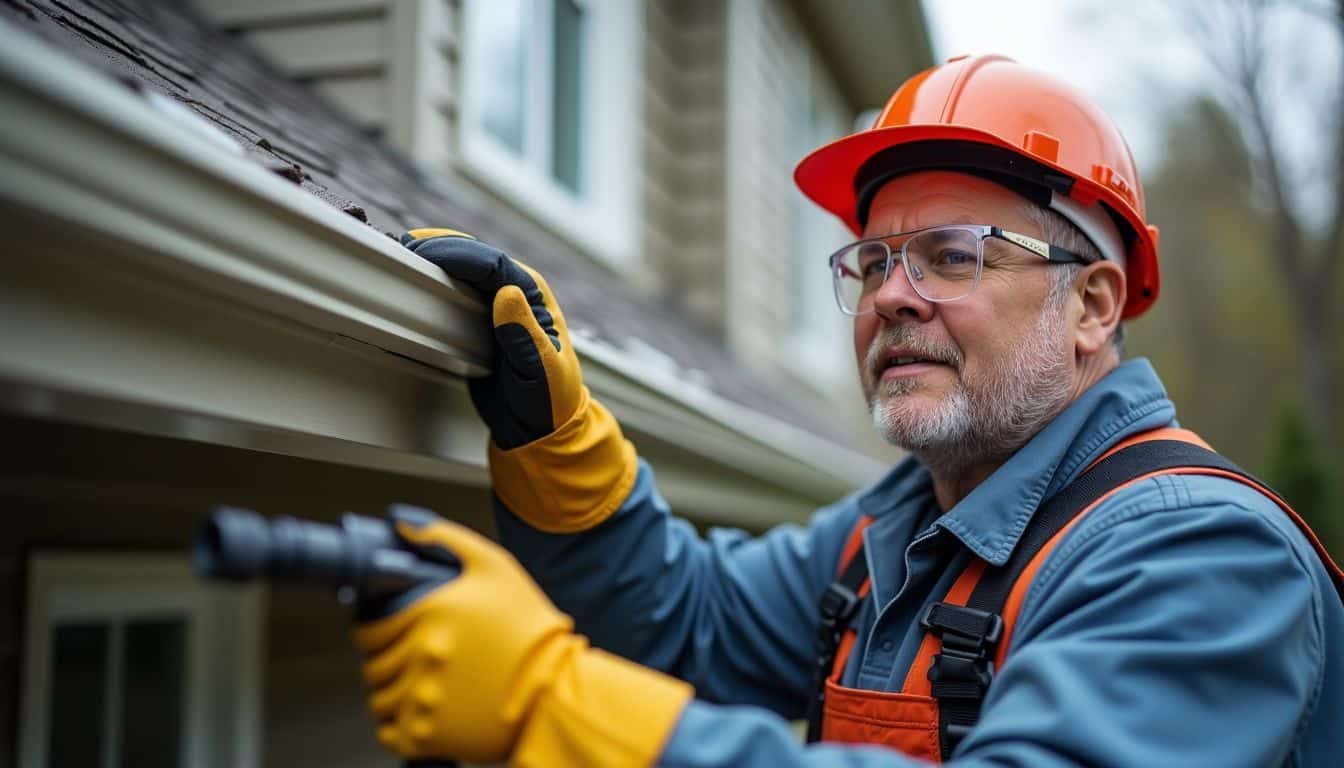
pixel 942 263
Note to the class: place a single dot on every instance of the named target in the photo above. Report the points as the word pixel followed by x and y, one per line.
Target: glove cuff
pixel 601 711
pixel 572 479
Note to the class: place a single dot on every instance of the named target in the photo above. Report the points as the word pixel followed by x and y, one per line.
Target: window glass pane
pixel 153 659
pixel 502 70
pixel 567 95
pixel 77 695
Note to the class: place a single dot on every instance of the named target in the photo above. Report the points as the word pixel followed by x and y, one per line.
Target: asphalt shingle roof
pixel 167 48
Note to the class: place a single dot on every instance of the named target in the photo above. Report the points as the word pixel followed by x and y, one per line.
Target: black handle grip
pixel 362 557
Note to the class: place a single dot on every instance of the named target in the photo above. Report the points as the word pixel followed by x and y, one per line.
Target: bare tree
pixel 1249 45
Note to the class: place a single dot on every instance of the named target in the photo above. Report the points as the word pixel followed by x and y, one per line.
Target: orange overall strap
pixel 917 679
pixel 835 636
pixel 979 627
pixel 853 549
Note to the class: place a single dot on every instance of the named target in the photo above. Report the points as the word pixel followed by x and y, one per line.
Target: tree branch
pixel 1328 268
pixel 1247 66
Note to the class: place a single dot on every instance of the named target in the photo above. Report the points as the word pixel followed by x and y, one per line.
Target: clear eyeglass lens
pixel 944 266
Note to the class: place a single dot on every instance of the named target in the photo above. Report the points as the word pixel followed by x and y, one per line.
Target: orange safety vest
pixel 970 631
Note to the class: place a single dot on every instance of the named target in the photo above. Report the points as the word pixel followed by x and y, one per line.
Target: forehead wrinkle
pixel 921 209
pixel 964 218
pixel 933 197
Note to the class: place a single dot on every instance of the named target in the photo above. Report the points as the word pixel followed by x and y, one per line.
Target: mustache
pixel 907 336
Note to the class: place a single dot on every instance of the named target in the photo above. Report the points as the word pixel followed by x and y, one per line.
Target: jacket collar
pixel 990 520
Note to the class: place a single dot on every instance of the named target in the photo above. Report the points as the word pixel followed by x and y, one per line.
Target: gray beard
pixel 980 421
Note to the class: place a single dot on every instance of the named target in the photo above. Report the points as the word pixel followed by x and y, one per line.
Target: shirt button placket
pixel 877 663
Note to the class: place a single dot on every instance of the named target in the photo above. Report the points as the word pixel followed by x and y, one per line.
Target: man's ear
pixel 1100 287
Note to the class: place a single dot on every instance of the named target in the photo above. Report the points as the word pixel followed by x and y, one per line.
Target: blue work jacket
pixel 1184 622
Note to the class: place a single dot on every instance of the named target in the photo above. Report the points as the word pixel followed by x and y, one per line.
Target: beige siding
pixel 424 78
pixel 683 149
pixel 391 64
pixel 768 72
pixel 325 48
pixel 244 13
pixel 342 47
pixel 65 488
pixel 363 96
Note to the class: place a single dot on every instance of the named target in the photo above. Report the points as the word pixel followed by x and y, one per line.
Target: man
pixel 1130 611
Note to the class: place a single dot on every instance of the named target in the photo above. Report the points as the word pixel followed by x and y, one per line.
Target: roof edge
pixel 73 148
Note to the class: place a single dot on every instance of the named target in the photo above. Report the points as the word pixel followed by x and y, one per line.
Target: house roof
pixel 229 298
pixel 162 49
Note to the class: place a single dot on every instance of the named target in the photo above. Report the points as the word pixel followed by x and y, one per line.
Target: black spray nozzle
pixel 363 555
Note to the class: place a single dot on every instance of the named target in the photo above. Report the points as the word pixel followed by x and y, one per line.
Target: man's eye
pixel 953 258
pixel 874 268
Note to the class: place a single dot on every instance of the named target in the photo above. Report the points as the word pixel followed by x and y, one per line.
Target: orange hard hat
pixel 993 117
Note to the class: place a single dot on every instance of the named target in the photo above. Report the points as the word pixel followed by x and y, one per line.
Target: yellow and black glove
pixel 485 668
pixel 558 459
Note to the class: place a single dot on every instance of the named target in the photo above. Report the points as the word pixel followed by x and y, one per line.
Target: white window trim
pixel 605 223
pixel 221 621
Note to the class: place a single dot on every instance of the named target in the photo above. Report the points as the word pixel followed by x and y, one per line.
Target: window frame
pixel 221 623
pixel 816 324
pixel 602 221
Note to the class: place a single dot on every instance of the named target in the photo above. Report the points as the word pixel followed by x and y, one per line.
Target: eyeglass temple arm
pixel 1051 253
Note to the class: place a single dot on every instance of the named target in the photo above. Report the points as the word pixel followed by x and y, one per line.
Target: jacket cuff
pixel 602 712
pixel 572 479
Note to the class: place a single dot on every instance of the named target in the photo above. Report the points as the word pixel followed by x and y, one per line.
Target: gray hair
pixel 1060 231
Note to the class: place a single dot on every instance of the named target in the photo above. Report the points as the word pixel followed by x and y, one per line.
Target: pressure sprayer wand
pixel 362 561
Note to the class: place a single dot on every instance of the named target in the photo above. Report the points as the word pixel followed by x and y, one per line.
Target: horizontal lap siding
pixel 390 64
pixel 768 61
pixel 363 97
pixel 683 148
pixel 341 47
pixel 325 48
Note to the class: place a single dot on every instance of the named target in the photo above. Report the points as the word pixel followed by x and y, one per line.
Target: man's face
pixel 993 366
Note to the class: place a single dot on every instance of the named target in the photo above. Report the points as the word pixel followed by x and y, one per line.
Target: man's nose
pixel 897 298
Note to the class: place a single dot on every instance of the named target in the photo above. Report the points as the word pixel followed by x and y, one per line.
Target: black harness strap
pixel 991 593
pixel 962 672
pixel 839 603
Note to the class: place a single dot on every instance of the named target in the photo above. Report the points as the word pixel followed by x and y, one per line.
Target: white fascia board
pixel 730 433
pixel 294 308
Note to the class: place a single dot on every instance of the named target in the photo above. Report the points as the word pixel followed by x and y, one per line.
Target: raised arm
pixel 733 615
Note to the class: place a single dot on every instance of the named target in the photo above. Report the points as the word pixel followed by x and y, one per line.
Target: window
pixel 131 662
pixel 817 325
pixel 550 114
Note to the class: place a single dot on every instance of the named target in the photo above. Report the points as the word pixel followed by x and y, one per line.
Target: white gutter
pixel 761 436
pixel 307 260
pixel 170 207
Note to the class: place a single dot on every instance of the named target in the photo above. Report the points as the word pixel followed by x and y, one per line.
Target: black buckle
pixel 969 637
pixel 962 672
pixel 838 606
pixel 963 629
